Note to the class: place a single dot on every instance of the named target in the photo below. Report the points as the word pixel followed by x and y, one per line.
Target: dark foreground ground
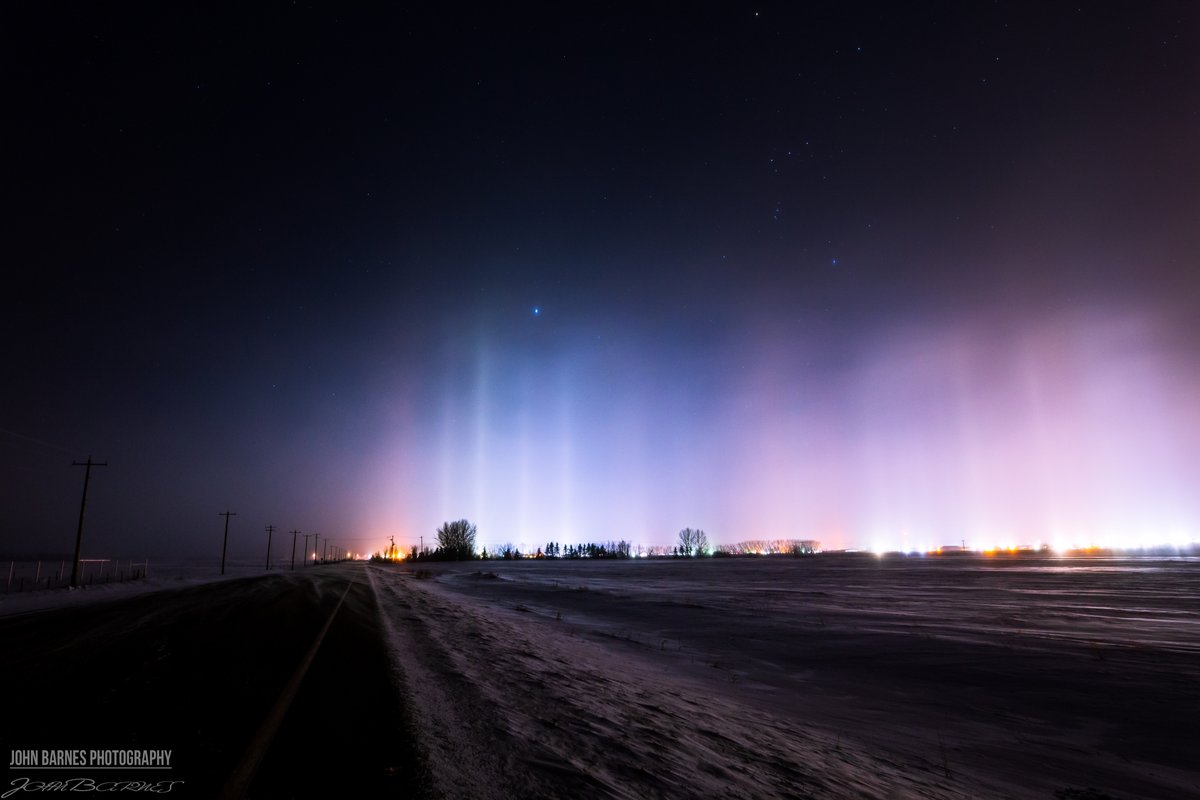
pixel 201 671
pixel 832 677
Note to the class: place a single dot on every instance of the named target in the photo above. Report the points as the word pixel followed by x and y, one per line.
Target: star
pixel 537 311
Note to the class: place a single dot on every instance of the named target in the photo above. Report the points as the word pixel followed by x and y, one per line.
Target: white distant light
pixel 1179 537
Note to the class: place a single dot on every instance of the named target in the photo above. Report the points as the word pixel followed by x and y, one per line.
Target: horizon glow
pixel 1073 431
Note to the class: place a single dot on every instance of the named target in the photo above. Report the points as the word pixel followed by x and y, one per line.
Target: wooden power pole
pixel 270 530
pixel 87 475
pixel 225 545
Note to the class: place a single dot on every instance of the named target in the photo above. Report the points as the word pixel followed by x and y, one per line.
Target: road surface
pixel 276 686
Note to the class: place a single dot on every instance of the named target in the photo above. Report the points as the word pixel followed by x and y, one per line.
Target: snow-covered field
pixel 834 677
pixel 159 575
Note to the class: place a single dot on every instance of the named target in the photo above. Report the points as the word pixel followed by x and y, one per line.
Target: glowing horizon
pixel 1073 431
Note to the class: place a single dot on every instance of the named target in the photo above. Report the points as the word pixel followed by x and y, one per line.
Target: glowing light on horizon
pixel 1073 432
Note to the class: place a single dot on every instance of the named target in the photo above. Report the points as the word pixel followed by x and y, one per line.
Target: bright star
pixel 537 311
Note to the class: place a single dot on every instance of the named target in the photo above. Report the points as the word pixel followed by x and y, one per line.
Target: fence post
pixel 38 575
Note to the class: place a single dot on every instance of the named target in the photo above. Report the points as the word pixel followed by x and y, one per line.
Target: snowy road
pixel 200 671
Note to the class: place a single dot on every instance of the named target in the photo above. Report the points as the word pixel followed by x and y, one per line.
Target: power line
pixel 23 437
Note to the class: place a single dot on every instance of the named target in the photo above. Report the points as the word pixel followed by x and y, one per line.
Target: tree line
pixel 456 542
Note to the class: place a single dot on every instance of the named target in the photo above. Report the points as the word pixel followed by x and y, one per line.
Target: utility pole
pixel 316 544
pixel 294 533
pixel 422 545
pixel 87 474
pixel 270 531
pixel 304 563
pixel 225 545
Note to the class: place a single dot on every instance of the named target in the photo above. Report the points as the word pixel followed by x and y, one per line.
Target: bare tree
pixel 456 539
pixel 693 542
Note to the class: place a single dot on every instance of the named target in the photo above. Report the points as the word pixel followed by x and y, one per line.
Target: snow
pixel 799 678
pixel 827 677
pixel 162 575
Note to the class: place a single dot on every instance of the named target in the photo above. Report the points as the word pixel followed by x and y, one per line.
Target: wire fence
pixel 43 575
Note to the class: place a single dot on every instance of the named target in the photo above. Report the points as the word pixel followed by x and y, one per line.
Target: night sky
pixel 882 276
